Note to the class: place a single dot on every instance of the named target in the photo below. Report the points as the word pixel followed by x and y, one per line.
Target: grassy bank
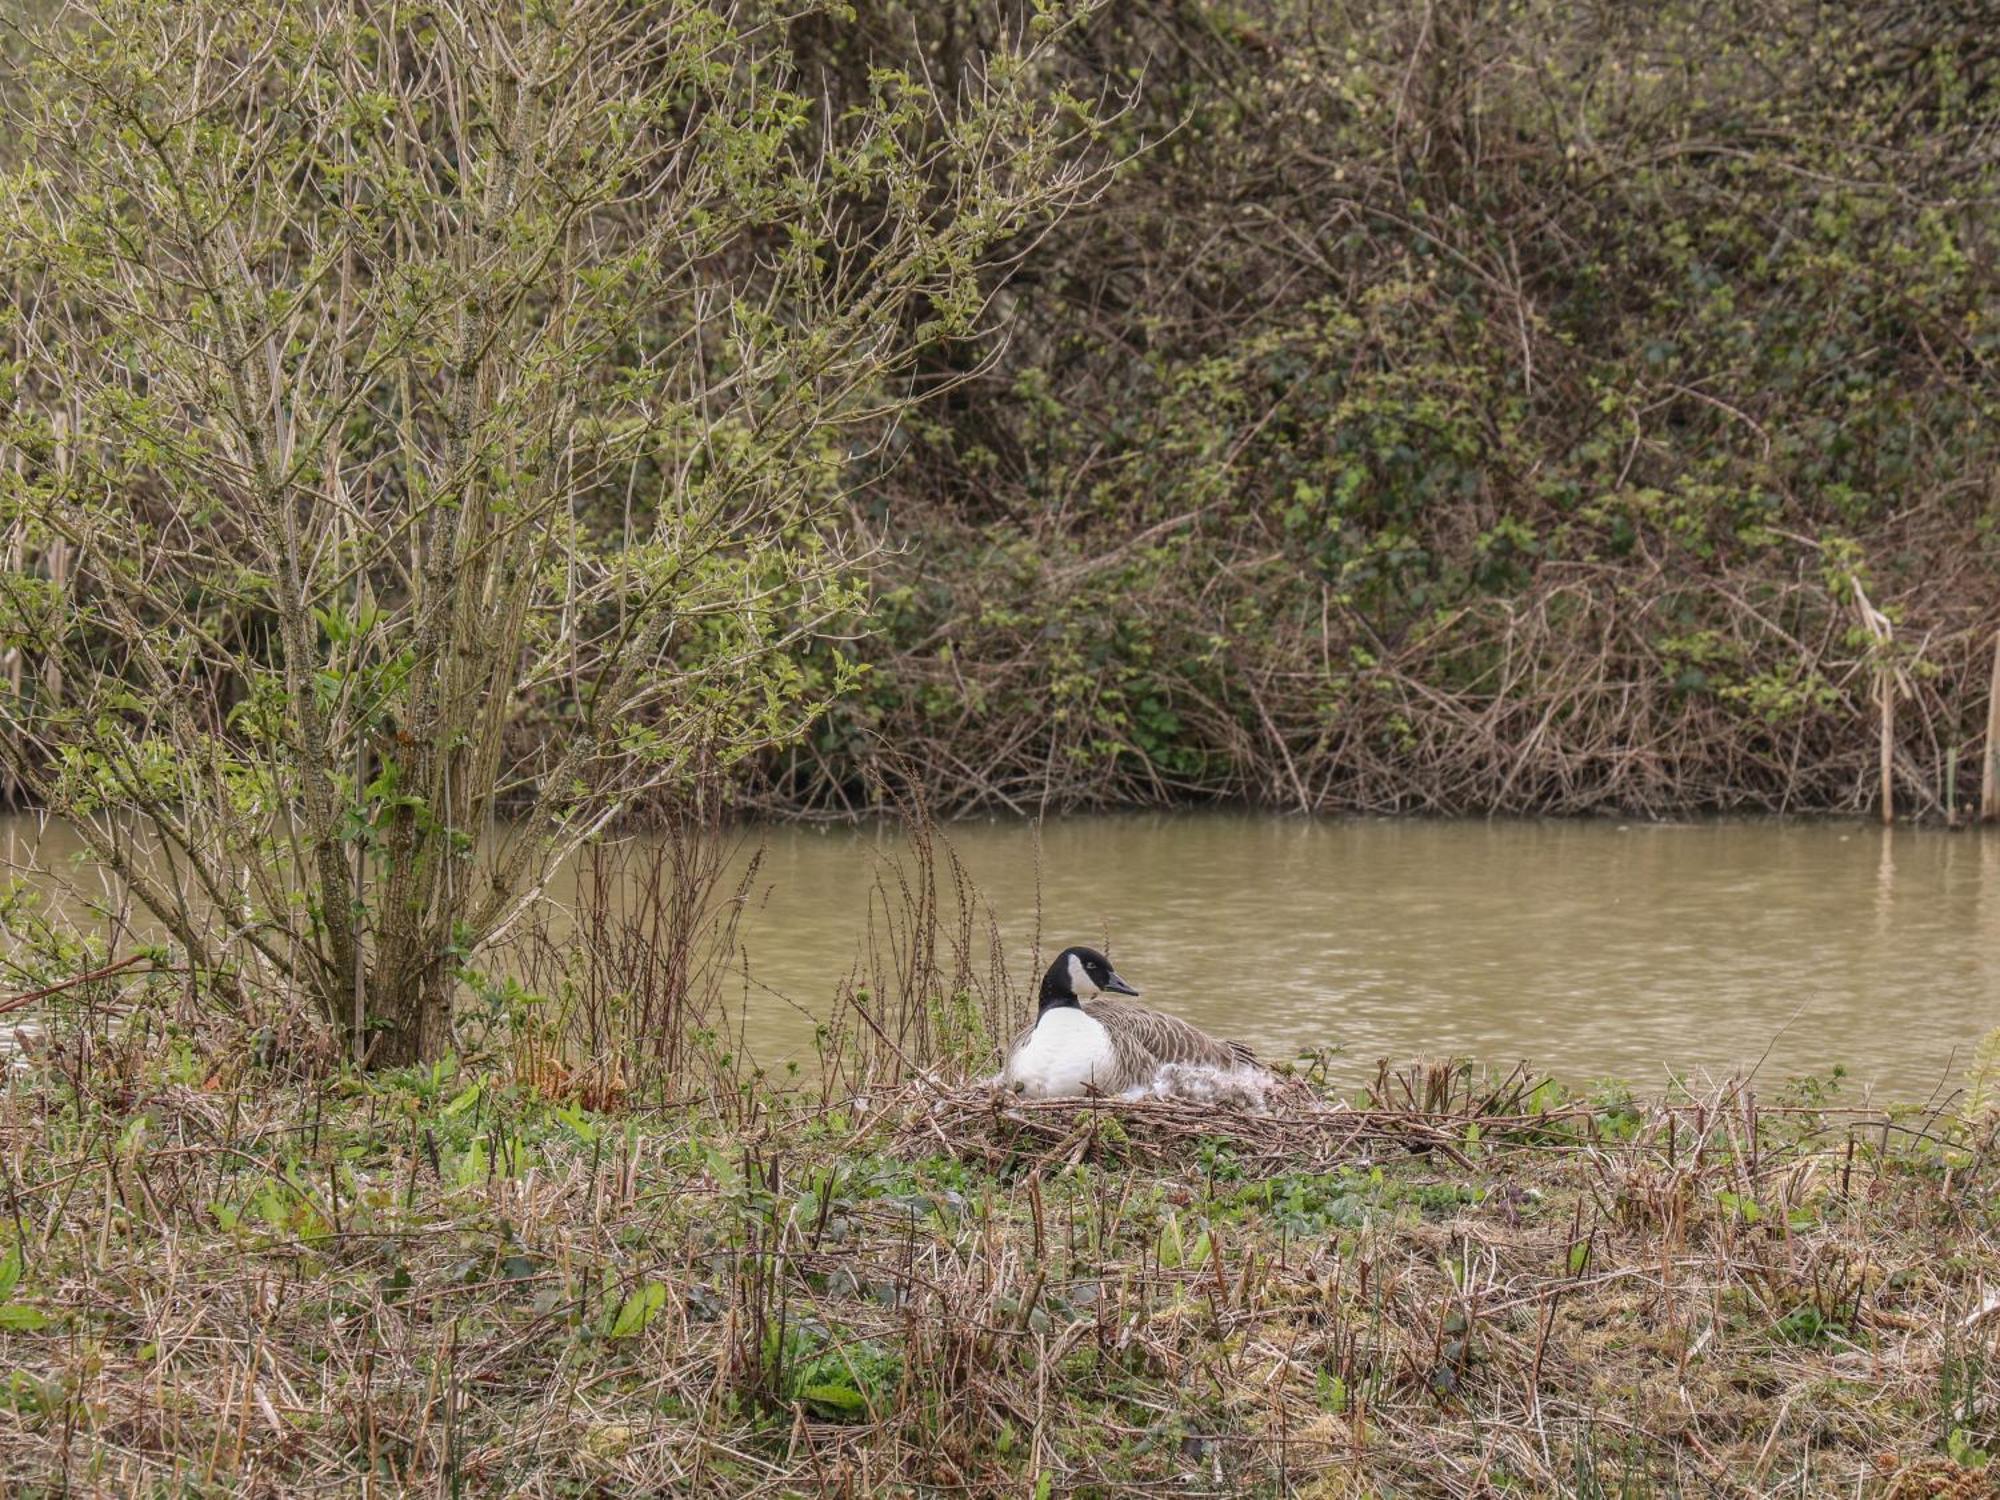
pixel 218 1280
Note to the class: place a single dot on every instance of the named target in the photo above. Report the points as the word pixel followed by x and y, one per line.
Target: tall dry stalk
pixel 931 990
pixel 1889 679
pixel 1989 779
pixel 641 969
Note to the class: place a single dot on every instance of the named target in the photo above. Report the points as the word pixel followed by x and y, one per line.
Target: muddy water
pixel 1594 949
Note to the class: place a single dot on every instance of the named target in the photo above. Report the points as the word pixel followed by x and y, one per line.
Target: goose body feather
pixel 1067 1052
pixel 1111 1047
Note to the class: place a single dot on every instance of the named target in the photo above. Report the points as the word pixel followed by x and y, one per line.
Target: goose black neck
pixel 1056 988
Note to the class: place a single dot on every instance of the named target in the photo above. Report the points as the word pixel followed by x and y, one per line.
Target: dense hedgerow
pixel 1464 407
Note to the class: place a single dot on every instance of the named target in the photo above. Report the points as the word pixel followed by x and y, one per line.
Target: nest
pixel 1295 1131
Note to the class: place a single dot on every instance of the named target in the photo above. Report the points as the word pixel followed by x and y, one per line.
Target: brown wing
pixel 1145 1039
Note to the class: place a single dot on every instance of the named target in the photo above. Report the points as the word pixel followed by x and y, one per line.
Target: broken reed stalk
pixel 1989 780
pixel 1882 635
pixel 360 914
pixel 1885 691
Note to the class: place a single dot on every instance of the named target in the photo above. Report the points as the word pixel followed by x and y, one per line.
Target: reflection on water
pixel 1591 948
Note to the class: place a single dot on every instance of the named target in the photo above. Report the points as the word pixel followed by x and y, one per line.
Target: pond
pixel 1592 949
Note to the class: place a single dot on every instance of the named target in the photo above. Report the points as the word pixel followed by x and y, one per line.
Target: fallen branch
pixel 71 983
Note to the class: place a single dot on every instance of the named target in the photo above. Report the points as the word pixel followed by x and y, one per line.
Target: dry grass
pixel 425 1283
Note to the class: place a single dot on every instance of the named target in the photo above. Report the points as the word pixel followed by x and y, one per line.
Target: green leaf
pixel 638 1310
pixel 1197 1255
pixel 10 1273
pixel 18 1317
pixel 573 1117
pixel 1172 1249
pixel 838 1402
pixel 1964 1452
pixel 518 1267
pixel 1746 1209
pixel 1332 1392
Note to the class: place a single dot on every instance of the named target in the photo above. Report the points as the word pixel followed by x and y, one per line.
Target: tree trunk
pixel 411 1020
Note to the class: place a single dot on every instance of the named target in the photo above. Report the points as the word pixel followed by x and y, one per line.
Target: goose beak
pixel 1116 986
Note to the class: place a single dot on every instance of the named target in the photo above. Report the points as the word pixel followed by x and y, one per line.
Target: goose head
pixel 1078 973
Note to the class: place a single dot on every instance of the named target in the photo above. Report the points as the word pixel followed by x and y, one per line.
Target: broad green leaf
pixel 840 1402
pixel 638 1309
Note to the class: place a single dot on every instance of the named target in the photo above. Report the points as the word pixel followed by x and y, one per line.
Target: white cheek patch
pixel 1079 980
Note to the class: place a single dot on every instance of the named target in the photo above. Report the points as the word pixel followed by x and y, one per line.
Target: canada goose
pixel 1084 1045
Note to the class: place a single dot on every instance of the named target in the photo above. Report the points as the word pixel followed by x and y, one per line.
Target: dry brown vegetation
pixel 221 1281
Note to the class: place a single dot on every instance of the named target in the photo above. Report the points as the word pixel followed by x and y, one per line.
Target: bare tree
pixel 335 325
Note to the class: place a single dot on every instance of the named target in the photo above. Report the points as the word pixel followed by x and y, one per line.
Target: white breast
pixel 1067 1053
